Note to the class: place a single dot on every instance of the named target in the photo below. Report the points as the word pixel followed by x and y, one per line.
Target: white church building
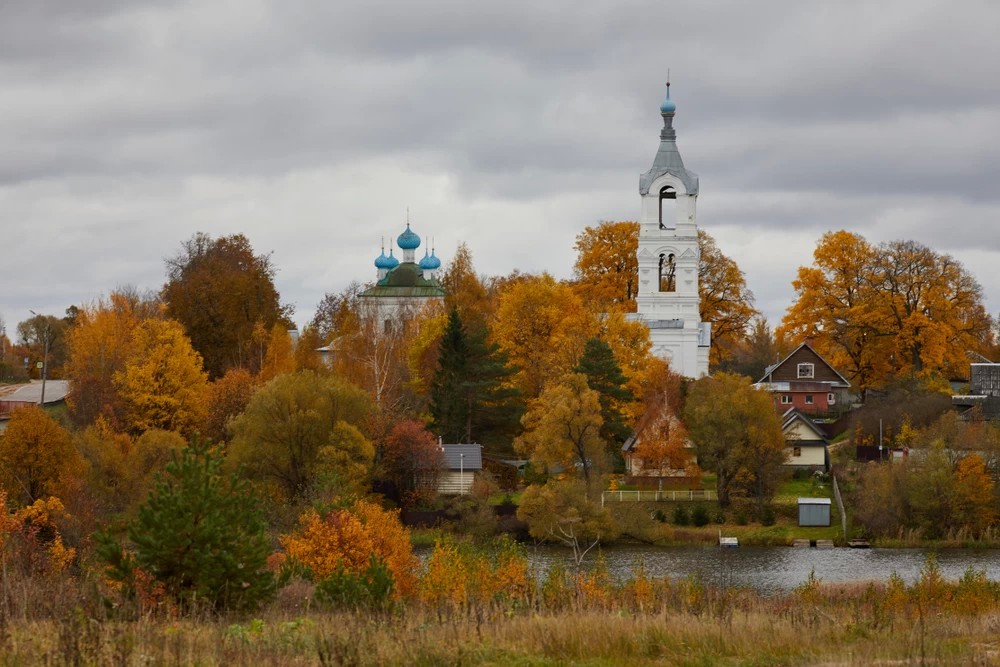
pixel 668 298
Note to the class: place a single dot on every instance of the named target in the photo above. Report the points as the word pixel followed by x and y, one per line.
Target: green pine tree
pixel 200 534
pixel 604 375
pixel 471 398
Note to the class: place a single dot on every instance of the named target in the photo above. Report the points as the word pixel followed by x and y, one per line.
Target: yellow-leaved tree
pixel 36 456
pixel 562 429
pixel 99 344
pixel 163 385
pixel 542 325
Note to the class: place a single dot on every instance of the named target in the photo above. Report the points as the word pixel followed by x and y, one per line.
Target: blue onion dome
pixel 668 105
pixel 382 261
pixel 391 262
pixel 408 240
pixel 430 262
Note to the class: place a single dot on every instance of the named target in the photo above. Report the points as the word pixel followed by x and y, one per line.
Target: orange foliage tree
pixel 227 398
pixel 345 539
pixel 888 310
pixel 542 325
pixel 30 537
pixel 99 344
pixel 36 454
pixel 607 269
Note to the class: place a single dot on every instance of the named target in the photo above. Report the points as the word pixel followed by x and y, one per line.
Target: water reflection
pixel 775 569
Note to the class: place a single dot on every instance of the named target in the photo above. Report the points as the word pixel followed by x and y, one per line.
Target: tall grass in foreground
pixel 475 608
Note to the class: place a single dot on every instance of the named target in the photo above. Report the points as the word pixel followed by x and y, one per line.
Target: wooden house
pixel 805 381
pixel 806 445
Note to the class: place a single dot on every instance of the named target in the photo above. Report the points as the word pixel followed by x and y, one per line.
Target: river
pixel 774 569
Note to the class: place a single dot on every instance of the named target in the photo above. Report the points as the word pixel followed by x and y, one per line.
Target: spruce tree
pixel 200 534
pixel 471 399
pixel 604 375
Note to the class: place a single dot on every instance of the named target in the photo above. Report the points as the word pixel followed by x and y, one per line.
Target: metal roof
pixel 454 459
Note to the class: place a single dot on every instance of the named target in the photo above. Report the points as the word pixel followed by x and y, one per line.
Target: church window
pixel 668 202
pixel 668 273
pixel 387 326
pixel 806 371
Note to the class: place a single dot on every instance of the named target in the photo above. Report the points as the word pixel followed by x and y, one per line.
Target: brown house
pixel 804 380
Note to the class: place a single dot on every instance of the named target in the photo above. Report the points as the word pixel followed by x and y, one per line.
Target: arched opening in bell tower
pixel 668 204
pixel 667 273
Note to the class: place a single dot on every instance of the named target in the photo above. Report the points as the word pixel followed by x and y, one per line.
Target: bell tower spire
pixel 668 299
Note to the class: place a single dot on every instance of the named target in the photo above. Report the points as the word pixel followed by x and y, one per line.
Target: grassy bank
pixel 817 625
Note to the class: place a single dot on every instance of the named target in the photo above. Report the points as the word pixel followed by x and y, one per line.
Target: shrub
pixel 681 517
pixel 767 516
pixel 699 517
pixel 720 517
pixel 740 517
pixel 369 589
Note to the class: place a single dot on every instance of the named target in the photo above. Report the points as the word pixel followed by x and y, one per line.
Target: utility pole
pixel 45 356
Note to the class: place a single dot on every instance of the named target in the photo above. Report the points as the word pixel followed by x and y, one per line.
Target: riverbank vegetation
pixel 468 605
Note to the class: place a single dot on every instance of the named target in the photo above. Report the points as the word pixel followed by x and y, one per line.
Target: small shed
pixel 814 511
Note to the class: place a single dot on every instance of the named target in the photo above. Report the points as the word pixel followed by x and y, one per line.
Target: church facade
pixel 403 287
pixel 668 255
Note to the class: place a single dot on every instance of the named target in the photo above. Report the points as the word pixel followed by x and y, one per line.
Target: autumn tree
pixel 737 435
pixel 280 355
pixel 471 398
pixel 884 311
pixel 162 385
pixel 218 289
pixel 542 326
pixel 606 268
pixel 464 290
pixel 562 511
pixel 35 455
pixel 662 439
pixel 44 335
pixel 120 470
pixel 725 299
pixel 337 314
pixel 101 342
pixel 345 540
pixel 300 432
pixel 563 429
pixel 226 399
pixel 753 354
pixel 411 457
pixel 975 494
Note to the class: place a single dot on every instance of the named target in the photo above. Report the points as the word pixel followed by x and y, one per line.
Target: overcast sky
pixel 311 126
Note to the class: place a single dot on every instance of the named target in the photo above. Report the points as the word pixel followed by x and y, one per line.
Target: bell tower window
pixel 668 202
pixel 667 273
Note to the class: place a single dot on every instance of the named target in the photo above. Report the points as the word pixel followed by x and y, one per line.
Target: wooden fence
pixel 657 496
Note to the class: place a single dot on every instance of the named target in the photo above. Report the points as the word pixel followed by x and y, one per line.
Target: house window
pixel 809 399
pixel 796 451
pixel 806 371
pixel 786 399
pixel 831 399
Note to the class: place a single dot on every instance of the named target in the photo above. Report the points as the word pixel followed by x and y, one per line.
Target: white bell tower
pixel 668 254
